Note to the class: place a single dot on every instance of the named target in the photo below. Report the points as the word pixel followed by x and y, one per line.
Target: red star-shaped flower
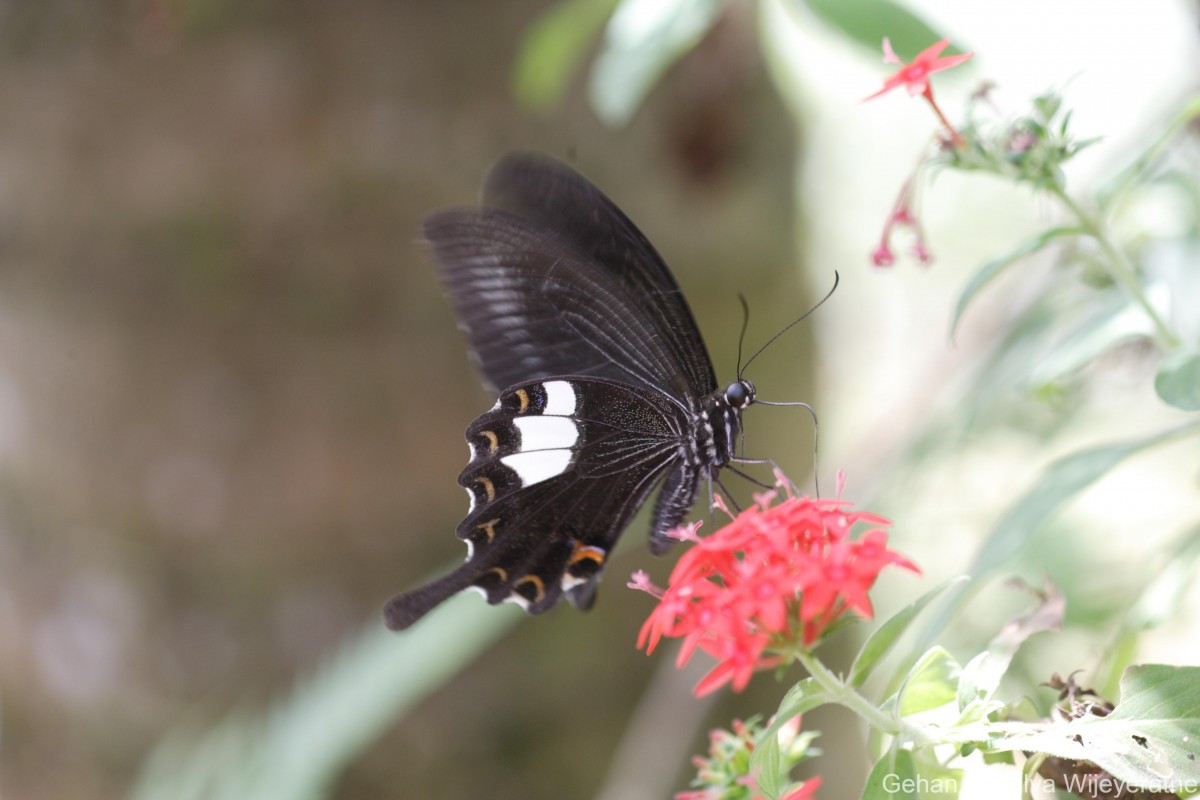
pixel 915 76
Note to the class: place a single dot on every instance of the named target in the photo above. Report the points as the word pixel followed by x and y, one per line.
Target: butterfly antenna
pixel 790 325
pixel 816 437
pixel 742 335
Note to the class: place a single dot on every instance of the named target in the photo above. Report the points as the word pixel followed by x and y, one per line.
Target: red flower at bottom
pixel 774 575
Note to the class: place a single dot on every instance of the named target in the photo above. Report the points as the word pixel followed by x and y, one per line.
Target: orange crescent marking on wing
pixel 523 396
pixel 489 528
pixel 586 552
pixel 537 583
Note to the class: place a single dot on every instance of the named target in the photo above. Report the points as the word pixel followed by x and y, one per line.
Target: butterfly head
pixel 739 394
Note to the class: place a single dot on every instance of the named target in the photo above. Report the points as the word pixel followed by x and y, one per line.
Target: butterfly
pixel 605 388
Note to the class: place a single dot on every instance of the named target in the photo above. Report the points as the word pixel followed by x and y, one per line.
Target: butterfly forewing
pixel 556 198
pixel 533 306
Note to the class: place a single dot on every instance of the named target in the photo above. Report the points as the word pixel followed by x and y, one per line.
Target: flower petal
pixel 889 55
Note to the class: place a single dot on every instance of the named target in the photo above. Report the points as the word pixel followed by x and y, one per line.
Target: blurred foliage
pixel 299 748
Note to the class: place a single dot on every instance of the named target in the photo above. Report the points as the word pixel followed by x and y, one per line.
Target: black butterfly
pixel 607 388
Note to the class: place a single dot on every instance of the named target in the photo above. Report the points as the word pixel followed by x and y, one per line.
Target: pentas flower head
pixel 778 574
pixel 725 773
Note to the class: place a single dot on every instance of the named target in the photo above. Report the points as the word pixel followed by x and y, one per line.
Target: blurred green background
pixel 232 396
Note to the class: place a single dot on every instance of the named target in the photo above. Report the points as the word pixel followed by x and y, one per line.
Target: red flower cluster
pixel 773 575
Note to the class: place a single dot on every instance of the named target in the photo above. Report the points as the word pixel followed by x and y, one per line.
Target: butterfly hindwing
pixel 558 468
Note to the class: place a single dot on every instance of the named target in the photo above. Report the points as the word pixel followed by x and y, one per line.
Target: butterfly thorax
pixel 719 424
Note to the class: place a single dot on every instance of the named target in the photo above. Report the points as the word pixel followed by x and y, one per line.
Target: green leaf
pixel 552 48
pixel 1111 321
pixel 1061 481
pixel 886 635
pixel 982 675
pixel 985 274
pixel 894 777
pixel 934 781
pixel 931 683
pixel 767 764
pixel 1056 486
pixel 1178 380
pixel 643 38
pixel 868 21
pixel 766 760
pixel 978 709
pixel 1151 739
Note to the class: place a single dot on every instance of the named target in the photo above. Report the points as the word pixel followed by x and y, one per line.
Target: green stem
pixel 843 694
pixel 1120 268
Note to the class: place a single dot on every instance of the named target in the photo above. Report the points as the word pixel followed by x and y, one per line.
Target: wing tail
pixel 405 609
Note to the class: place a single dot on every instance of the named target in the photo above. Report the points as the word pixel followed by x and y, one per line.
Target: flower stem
pixel 954 136
pixel 843 694
pixel 1120 268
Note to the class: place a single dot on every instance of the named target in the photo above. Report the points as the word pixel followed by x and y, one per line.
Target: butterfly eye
pixel 740 394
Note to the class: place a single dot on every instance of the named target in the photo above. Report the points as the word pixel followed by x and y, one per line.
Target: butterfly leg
pixel 775 468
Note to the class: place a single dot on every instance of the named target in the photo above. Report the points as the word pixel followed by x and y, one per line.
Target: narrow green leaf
pixel 1061 481
pixel 886 635
pixel 801 698
pixel 985 274
pixel 552 48
pixel 1111 321
pixel 931 683
pixel 1178 380
pixel 894 777
pixel 1151 739
pixel 1057 485
pixel 297 747
pixel 643 38
pixel 868 21
pixel 982 675
pixel 1137 170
